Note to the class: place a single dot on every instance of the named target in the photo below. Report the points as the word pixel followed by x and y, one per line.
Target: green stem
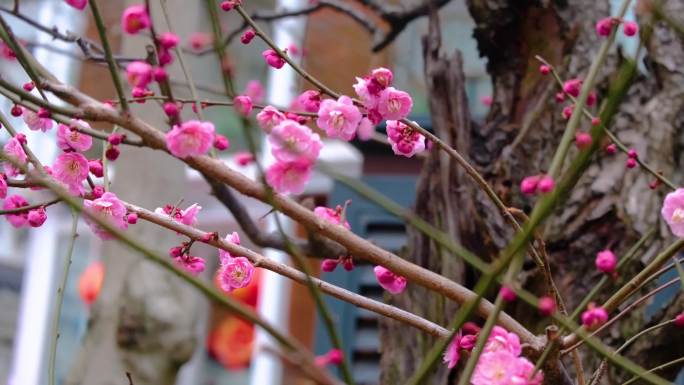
pixel 218 45
pixel 659 367
pixel 588 83
pixel 60 297
pixel 111 63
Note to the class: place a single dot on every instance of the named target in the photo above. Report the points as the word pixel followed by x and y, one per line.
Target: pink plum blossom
pixel 187 217
pixel 3 186
pixel 673 211
pixel 495 368
pixel 605 26
pixel 243 105
pixel 291 141
pixel 333 216
pixel 339 118
pixel 78 4
pixel 168 40
pixel 35 122
pixel 366 129
pixel 405 141
pixel 594 317
pixel 453 352
pixel 191 264
pixel 573 87
pixel 139 74
pixel 134 19
pixel 382 76
pixel 501 339
pixel 109 207
pixel 269 117
pixel 37 217
pixel 255 91
pixel 224 255
pixel 235 273
pixel 394 104
pixel 72 170
pixel 190 138
pixel 273 59
pixel 244 158
pixel 606 262
pixel 14 149
pixel 309 101
pixel 333 357
pixel 389 281
pixel 70 139
pixel 630 28
pixel 14 202
pixel 289 177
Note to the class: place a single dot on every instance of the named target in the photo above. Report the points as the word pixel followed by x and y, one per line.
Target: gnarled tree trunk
pixel 611 207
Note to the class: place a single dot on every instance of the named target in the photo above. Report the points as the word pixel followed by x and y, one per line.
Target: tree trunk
pixel 611 206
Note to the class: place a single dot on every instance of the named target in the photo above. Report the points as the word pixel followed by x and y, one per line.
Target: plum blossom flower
pixel 405 141
pixel 191 264
pixel 289 177
pixel 309 101
pixel 14 202
pixel 3 186
pixel 273 59
pixel 495 368
pixel 14 149
pixel 630 28
pixel 35 122
pixel 594 317
pixel 71 169
pixel 333 216
pixel 382 76
pixel 168 40
pixel 573 87
pixel 190 138
pixel 235 273
pixel 389 281
pixel 255 91
pixel 78 4
pixel 333 357
pixel 134 19
pixel 139 74
pixel 37 217
pixel 605 26
pixel 291 141
pixel 606 262
pixel 109 207
pixel 70 139
pixel 187 217
pixel 673 211
pixel 243 105
pixel 365 130
pixel 394 104
pixel 501 339
pixel 224 255
pixel 339 118
pixel 453 352
pixel 269 117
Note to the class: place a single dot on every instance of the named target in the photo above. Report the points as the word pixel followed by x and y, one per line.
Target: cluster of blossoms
pixel 334 216
pixel 500 363
pixel 235 271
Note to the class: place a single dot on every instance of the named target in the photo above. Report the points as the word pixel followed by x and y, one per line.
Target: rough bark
pixel 611 207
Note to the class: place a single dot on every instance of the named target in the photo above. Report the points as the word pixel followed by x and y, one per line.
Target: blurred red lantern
pixel 90 282
pixel 231 343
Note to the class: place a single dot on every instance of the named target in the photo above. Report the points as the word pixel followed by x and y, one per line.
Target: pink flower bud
pixel 604 26
pixel 594 317
pixel 348 264
pixel 175 252
pixel 583 140
pixel 572 87
pixel 470 328
pixel 606 262
pixel 221 142
pixel 169 40
pixel 171 109
pixel 29 86
pixel 112 153
pixel 244 158
pixel 591 98
pixel 631 163
pixel 159 74
pixel 328 265
pixel 138 92
pixel 630 28
pixel 335 356
pixel 165 57
pixel 95 167
pixel 595 121
pixel 132 218
pixel 21 138
pixel 227 5
pixel 468 341
pixel 567 111
pixel 507 294
pixel 529 184
pixel 78 4
pixel 247 36
pixel 273 59
pixel 632 153
pixel 97 192
pixel 115 139
pixel 679 320
pixel 37 217
pixel 546 184
pixel 611 149
pixel 135 18
pixel 547 305
pixel 43 113
pixel 16 111
pixel 243 105
pixel 487 101
pixel 544 69
pixel 560 97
